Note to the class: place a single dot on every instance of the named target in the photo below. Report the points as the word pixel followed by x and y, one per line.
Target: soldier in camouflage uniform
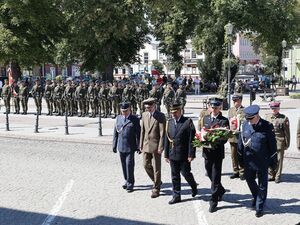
pixel 115 97
pixel 236 112
pixel 74 101
pixel 6 95
pixel 103 99
pixel 15 93
pixel 24 95
pixel 68 97
pixel 92 96
pixel 168 97
pixel 282 134
pixel 155 93
pixel 80 96
pixel 139 97
pixel 37 94
pixel 126 95
pixel 58 97
pixel 55 108
pixel 48 95
pixel 180 96
pixel 87 101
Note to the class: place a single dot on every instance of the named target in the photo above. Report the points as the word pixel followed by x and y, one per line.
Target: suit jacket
pixel 126 134
pixel 179 138
pixel 257 145
pixel 152 132
pixel 298 134
pixel 219 151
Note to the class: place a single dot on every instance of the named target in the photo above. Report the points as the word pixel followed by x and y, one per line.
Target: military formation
pixel 86 98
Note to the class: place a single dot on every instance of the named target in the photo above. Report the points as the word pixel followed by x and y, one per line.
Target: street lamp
pixel 283 44
pixel 229 30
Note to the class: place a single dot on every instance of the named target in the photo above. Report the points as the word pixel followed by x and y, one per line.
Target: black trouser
pixel 183 167
pixel 259 191
pixel 214 172
pixel 127 160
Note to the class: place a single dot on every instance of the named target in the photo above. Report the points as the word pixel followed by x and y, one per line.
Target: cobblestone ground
pixel 48 182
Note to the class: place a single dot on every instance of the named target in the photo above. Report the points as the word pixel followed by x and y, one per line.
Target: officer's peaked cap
pixel 149 101
pixel 124 106
pixel 274 105
pixel 175 106
pixel 251 111
pixel 237 96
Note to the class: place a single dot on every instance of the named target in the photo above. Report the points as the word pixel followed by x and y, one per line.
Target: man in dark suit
pixel 152 142
pixel 257 152
pixel 126 140
pixel 213 157
pixel 179 150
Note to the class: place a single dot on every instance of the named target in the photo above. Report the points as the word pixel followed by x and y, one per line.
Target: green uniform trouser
pixel 69 106
pixel 237 168
pixel 59 105
pixel 93 107
pixel 49 105
pixel 87 107
pixel 104 107
pixel 82 108
pixel 115 106
pixel 7 103
pixel 24 103
pixel 276 174
pixel 17 104
pixel 38 104
pixel 134 107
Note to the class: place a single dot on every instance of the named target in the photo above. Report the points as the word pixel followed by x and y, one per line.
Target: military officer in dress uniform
pixel 213 156
pixel 257 152
pixel 179 150
pixel 152 142
pixel 126 140
pixel 282 134
pixel 236 113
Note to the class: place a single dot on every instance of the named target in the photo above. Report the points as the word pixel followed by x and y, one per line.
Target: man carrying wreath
pixel 213 156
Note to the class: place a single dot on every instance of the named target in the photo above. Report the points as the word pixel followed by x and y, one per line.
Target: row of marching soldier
pixel 255 150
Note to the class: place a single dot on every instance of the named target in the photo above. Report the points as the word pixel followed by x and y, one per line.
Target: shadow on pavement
pixel 290 178
pixel 18 217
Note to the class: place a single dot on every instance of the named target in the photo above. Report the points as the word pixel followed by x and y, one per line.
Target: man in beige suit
pixel 152 142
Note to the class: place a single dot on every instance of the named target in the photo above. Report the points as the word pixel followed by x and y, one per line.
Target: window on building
pixel 146 57
pixel 123 71
pixel 194 55
pixel 116 70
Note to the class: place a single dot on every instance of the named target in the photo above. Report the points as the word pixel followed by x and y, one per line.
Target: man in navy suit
pixel 126 140
pixel 213 157
pixel 257 152
pixel 179 150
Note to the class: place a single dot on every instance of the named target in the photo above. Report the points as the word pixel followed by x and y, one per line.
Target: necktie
pixel 213 119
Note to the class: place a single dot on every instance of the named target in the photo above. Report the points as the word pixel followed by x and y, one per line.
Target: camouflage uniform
pixel 155 93
pixel 15 92
pixel 80 96
pixel 68 97
pixel 24 95
pixel 180 96
pixel 103 100
pixel 37 94
pixel 115 97
pixel 58 98
pixel 168 98
pixel 6 95
pixel 92 96
pixel 48 95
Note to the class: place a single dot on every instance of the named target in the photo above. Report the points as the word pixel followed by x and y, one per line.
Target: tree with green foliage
pixel 173 23
pixel 103 34
pixel 29 30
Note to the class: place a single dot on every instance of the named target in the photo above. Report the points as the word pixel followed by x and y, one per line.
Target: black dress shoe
pixel 235 175
pixel 194 191
pixel 259 213
pixel 220 198
pixel 175 200
pixel 124 186
pixel 129 190
pixel 242 177
pixel 212 207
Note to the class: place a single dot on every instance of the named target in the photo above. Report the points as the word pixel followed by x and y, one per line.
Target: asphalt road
pixel 48 182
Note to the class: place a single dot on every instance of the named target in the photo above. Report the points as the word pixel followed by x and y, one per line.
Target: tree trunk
pixel 108 73
pixel 16 70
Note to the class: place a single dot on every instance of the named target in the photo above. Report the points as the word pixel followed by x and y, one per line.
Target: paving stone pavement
pixel 78 178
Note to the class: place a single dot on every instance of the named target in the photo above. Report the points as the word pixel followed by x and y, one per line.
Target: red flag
pixel 10 76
